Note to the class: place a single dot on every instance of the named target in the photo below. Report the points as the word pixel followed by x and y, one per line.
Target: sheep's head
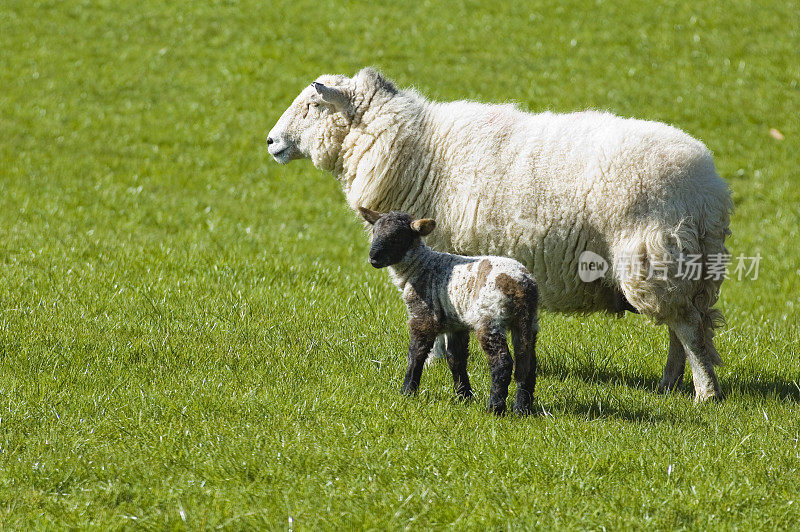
pixel 318 120
pixel 393 234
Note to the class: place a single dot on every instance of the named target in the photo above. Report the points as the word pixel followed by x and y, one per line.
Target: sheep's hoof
pixel 669 386
pixel 712 396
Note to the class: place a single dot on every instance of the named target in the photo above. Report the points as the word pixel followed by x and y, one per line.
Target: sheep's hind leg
pixel 702 356
pixel 676 365
pixel 501 365
pixel 418 350
pixel 457 354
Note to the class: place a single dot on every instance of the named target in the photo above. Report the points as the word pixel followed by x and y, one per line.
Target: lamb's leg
pixel 701 355
pixel 525 368
pixel 418 349
pixel 676 364
pixel 501 365
pixel 457 353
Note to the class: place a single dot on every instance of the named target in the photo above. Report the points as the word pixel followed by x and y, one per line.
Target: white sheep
pixel 541 188
pixel 453 293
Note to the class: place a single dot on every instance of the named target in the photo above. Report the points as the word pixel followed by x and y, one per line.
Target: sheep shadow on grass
pixel 765 386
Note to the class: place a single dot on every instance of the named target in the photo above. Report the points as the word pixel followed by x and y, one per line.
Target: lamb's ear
pixel 423 226
pixel 336 97
pixel 368 215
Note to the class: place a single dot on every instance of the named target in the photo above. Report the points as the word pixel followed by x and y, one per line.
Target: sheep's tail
pixel 671 273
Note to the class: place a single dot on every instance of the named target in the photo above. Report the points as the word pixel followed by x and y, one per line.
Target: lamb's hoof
pixel 464 395
pixel 523 410
pixel 498 409
pixel 408 391
pixel 522 402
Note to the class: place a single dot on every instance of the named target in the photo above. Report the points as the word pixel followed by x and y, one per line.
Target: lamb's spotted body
pixel 447 293
pixel 466 295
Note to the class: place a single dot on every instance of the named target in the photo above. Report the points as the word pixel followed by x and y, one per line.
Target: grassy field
pixel 190 336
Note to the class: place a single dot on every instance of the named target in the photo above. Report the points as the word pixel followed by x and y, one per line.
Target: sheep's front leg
pixel 457 354
pixel 440 347
pixel 501 365
pixel 418 349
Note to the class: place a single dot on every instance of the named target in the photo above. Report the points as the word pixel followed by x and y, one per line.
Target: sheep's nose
pixel 269 141
pixel 374 262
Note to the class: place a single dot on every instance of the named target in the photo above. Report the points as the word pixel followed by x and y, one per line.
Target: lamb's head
pixel 321 116
pixel 393 235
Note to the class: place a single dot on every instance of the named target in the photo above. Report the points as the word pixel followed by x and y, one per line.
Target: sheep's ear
pixel 377 80
pixel 423 226
pixel 336 97
pixel 368 215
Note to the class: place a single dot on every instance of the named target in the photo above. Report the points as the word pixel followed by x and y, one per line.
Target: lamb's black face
pixel 392 237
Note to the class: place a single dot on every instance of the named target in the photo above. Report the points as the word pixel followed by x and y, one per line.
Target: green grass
pixel 190 335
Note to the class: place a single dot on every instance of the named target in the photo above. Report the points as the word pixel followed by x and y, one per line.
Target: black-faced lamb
pixel 453 293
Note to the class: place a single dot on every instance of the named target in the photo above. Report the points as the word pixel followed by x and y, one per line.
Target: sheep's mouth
pixel 279 153
pixel 283 156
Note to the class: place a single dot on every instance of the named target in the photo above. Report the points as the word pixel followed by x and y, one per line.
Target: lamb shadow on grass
pixel 596 409
pixel 765 386
pixel 603 410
